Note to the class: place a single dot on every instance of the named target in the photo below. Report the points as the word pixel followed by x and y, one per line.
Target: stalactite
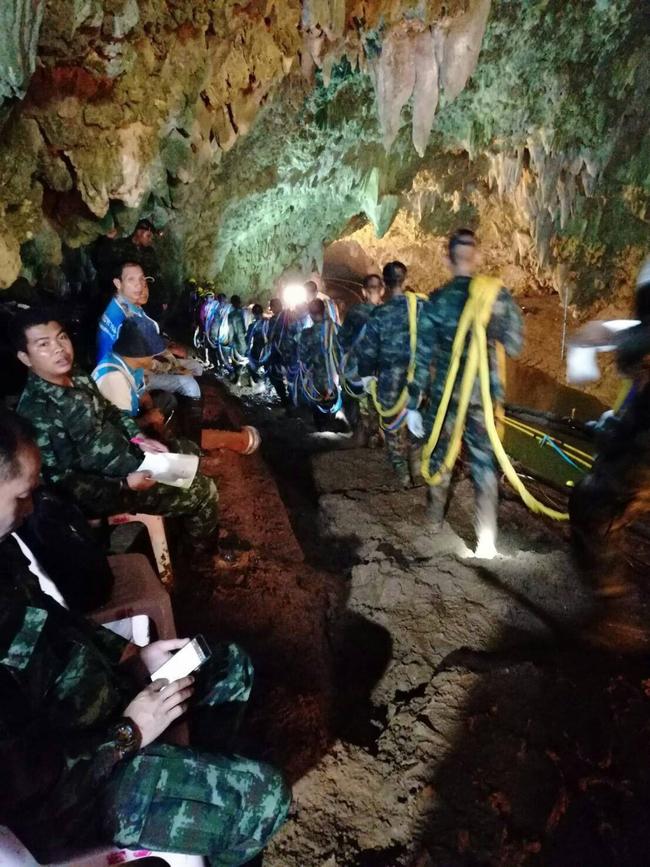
pixel 150 106
pixel 462 46
pixel 329 15
pixel 20 22
pixel 425 89
pixel 419 61
pixel 394 78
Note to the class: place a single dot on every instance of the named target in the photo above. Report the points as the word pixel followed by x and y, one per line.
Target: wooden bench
pixel 137 590
pixel 155 526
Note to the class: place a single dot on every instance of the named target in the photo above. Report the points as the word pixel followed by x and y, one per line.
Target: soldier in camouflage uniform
pixel 505 327
pixel 87 443
pixel 284 337
pixel 359 410
pixel 274 366
pixel 80 723
pixel 237 329
pixel 384 352
pixel 319 360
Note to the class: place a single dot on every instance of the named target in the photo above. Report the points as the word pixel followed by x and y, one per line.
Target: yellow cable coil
pixel 402 400
pixel 623 392
pixel 476 314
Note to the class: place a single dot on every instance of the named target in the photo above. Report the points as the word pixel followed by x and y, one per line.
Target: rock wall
pixel 260 132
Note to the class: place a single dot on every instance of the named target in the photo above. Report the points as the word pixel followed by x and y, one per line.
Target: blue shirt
pixel 111 322
pixel 133 376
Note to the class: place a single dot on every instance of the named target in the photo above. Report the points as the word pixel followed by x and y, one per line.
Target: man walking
pixel 359 411
pixel 393 359
pixel 505 327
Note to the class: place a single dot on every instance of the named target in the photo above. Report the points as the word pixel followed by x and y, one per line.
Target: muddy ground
pixel 430 709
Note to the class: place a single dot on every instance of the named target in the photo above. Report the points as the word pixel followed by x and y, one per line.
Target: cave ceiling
pixel 258 133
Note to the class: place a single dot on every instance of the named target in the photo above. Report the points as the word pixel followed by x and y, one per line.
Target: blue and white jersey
pixel 120 383
pixel 112 318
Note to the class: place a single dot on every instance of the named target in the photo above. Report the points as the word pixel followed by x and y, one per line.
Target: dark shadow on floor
pixel 551 767
pixel 316 662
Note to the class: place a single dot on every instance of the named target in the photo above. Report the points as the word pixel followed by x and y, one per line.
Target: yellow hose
pixel 623 392
pixel 576 455
pixel 476 315
pixel 402 400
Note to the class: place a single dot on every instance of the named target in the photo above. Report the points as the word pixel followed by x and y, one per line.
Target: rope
pixel 475 318
pixel 352 387
pixel 305 379
pixel 625 390
pixel 261 325
pixel 402 400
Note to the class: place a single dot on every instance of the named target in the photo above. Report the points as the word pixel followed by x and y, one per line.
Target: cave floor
pixel 428 708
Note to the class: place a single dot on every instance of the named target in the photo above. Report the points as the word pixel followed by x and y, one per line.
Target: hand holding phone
pixel 186 660
pixel 158 705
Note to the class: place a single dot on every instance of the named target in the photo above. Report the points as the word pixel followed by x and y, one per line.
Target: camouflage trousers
pixel 401 447
pixel 197 506
pixel 402 450
pixel 276 378
pixel 190 801
pixel 482 468
pixel 362 415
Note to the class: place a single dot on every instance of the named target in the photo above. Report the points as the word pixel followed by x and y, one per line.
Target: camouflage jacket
pixel 61 692
pixel 283 337
pixel 349 335
pixel 257 337
pixel 505 326
pixel 84 441
pixel 237 329
pixel 384 349
pixel 277 325
pixel 354 324
pixel 322 367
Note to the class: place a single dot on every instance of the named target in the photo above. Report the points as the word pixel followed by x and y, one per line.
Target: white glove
pixel 602 421
pixel 414 423
pixel 366 380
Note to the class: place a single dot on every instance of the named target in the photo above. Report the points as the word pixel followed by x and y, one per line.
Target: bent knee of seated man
pixel 186 386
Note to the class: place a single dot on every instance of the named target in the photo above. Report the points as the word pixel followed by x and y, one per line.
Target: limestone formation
pixel 20 22
pixel 260 133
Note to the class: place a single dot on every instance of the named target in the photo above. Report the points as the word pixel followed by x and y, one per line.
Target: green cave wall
pixel 256 133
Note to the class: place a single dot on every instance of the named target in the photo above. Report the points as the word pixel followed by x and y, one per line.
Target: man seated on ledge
pixel 120 377
pixel 80 722
pixel 168 373
pixel 90 449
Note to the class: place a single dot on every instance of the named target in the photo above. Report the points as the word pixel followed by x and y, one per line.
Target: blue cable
pixel 546 440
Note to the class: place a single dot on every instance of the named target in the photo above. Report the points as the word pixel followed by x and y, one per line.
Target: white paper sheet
pixel 581 364
pixel 171 469
pixel 582 361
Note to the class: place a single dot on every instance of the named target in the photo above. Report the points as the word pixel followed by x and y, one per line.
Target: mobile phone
pixel 186 660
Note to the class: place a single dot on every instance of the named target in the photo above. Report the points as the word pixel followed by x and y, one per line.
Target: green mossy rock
pixel 252 130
